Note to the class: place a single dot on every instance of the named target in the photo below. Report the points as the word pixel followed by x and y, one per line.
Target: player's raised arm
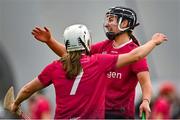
pixel 44 35
pixel 141 51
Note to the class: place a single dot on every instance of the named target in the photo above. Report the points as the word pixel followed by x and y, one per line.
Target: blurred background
pixel 22 57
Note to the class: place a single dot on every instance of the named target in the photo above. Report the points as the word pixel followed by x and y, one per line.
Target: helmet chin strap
pixel 119 25
pixel 86 48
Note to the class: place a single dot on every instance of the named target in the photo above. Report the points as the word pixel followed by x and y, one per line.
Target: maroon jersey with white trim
pixel 84 96
pixel 121 82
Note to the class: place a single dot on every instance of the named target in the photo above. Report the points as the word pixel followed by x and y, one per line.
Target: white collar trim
pixel 120 46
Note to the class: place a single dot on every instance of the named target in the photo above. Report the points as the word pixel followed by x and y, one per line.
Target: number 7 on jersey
pixel 76 83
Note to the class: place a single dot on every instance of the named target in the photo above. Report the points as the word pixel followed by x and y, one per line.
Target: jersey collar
pixel 120 46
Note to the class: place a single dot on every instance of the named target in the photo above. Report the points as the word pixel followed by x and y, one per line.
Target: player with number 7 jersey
pixel 78 77
pixel 84 95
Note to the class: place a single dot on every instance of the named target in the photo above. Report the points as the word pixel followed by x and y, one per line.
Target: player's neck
pixel 121 39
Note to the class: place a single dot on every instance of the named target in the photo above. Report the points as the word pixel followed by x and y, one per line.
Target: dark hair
pixel 71 63
pixel 133 38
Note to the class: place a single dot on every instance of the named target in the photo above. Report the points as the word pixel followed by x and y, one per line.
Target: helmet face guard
pixel 121 14
pixel 112 21
pixel 77 38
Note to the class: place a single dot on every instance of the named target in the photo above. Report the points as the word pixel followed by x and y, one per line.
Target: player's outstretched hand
pixel 42 34
pixel 158 38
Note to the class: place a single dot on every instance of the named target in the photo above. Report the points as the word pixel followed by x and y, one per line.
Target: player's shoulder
pixel 131 45
pixel 54 64
pixel 105 41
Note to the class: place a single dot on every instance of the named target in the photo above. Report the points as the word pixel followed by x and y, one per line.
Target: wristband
pixel 146 100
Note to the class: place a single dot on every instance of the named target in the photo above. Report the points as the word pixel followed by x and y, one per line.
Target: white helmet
pixel 77 37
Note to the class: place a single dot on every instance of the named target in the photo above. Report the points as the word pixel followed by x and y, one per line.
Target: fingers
pixel 163 36
pixel 36 37
pixel 140 113
pixel 147 114
pixel 144 107
pixel 14 108
pixel 159 38
pixel 47 30
pixel 38 30
pixel 34 32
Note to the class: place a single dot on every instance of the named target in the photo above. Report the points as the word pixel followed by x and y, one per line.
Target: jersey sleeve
pixel 140 66
pixel 107 61
pixel 45 75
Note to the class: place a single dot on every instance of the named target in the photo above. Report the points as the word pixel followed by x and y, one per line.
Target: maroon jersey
pixel 83 96
pixel 120 93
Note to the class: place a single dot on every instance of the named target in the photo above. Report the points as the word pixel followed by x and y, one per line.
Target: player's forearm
pixel 57 47
pixel 136 54
pixel 27 90
pixel 22 95
pixel 143 50
pixel 146 92
pixel 146 86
